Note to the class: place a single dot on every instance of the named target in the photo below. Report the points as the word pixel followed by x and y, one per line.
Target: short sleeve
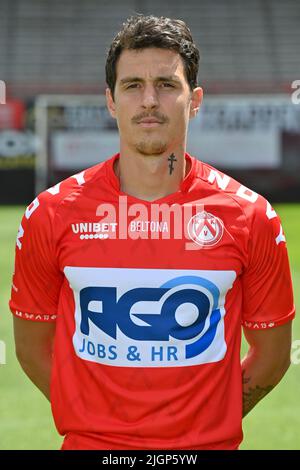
pixel 267 286
pixel 37 279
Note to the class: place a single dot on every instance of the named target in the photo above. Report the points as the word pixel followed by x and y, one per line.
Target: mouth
pixel 149 122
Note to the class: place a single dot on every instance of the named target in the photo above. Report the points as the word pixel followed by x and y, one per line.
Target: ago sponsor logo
pixel 149 317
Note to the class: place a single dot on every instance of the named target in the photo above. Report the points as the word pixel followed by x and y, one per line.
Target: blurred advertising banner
pixel 251 137
pixel 17 139
pixel 12 115
pixel 230 148
pixel 17 152
pixel 254 138
pixel 243 132
pixel 240 132
pixel 73 149
pixel 239 149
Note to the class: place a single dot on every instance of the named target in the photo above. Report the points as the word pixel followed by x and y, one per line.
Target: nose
pixel 149 97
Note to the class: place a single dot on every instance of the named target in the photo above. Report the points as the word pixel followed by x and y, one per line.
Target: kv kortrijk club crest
pixel 205 229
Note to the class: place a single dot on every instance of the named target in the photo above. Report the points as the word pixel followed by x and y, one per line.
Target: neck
pixel 151 177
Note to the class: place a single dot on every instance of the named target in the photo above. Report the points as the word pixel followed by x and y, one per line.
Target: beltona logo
pixel 205 229
pixel 149 317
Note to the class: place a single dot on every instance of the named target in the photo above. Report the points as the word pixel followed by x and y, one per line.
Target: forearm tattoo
pixel 171 159
pixel 253 395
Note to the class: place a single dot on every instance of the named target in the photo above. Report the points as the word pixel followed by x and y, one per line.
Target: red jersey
pixel 149 299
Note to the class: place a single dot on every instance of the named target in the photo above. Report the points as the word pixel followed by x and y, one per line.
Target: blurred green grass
pixel 275 422
pixel 25 416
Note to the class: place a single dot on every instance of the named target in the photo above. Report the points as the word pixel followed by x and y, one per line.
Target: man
pixel 133 278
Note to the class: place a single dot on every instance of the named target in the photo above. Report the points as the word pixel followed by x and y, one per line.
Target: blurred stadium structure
pixel 248 126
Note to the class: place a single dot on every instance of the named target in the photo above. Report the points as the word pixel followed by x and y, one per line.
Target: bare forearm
pixel 34 350
pixel 39 372
pixel 259 378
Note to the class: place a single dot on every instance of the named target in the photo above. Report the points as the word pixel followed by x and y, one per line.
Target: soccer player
pixel 134 278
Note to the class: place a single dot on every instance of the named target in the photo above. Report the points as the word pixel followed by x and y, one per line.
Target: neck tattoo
pixel 171 159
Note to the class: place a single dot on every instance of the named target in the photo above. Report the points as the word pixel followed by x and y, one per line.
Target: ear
pixel 110 103
pixel 196 100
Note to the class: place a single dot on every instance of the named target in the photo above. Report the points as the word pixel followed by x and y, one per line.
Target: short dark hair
pixel 140 32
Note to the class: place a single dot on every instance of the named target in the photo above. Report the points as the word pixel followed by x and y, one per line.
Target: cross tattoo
pixel 172 159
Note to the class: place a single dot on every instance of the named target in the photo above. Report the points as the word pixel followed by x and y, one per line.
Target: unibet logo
pixel 177 323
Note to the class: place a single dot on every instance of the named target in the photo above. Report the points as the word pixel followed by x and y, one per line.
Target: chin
pixel 151 148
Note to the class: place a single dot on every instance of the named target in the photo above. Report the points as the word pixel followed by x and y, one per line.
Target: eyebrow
pixel 167 78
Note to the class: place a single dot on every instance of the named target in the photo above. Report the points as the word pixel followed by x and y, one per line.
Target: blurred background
pixel 54 123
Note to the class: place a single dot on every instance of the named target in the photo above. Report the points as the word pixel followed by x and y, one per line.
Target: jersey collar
pixel 185 184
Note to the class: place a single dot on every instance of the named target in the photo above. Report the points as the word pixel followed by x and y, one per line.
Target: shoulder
pixel 48 201
pixel 252 204
pixel 264 227
pixel 39 215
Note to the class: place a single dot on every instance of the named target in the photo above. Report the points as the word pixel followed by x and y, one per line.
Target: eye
pixel 167 85
pixel 132 85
